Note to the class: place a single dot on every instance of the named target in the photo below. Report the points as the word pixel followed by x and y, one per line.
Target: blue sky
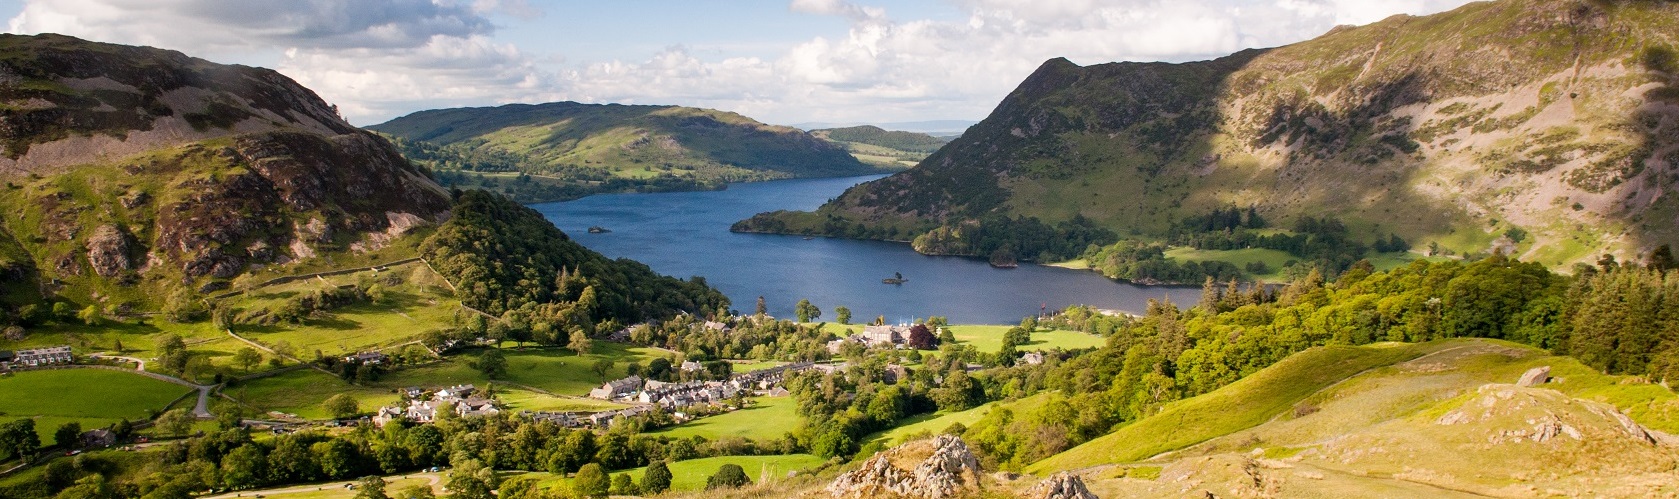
pixel 780 61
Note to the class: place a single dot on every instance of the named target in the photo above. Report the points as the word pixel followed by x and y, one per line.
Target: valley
pixel 1425 256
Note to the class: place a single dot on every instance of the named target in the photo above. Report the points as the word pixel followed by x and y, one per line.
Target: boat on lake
pixel 596 229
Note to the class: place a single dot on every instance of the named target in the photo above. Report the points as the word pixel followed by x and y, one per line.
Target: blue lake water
pixel 687 234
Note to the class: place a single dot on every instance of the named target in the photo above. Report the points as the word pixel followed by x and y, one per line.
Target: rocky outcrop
pixel 937 468
pixel 1060 486
pixel 1536 376
pixel 108 249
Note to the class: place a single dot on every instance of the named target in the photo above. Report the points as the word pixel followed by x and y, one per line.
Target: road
pixel 201 410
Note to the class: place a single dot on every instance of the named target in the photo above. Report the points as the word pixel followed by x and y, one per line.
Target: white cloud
pixel 379 59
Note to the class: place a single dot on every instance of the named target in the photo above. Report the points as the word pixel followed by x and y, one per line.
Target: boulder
pixel 1060 486
pixel 1536 376
pixel 108 249
pixel 938 468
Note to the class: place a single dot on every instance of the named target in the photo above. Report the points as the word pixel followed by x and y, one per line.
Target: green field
pixel 303 391
pixel 552 369
pixel 937 422
pixel 990 338
pixel 768 418
pixel 93 397
pixel 690 475
pixel 1241 405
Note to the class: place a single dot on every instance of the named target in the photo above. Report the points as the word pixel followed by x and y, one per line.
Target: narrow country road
pixel 201 410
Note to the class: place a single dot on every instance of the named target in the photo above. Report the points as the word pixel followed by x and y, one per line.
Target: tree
pixel 117 345
pixel 623 485
pixel 246 467
pixel 341 406
pixel 591 481
pixel 729 476
pixel 492 363
pixel 806 312
pixel 175 422
pixel 18 439
pixel 91 315
pixel 843 315
pixel 920 338
pixel 172 353
pixel 580 342
pixel 601 367
pixel 371 487
pixel 761 310
pixel 657 478
pixel 416 492
pixel 1662 259
pixel 946 337
pixel 247 357
pixel 67 435
pixel 472 480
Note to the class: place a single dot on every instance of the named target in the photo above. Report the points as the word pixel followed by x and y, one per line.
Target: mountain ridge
pixel 1552 120
pixel 590 148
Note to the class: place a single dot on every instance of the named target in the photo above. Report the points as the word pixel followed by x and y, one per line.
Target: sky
pixel 779 61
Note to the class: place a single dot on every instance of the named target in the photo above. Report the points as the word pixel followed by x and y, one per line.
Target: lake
pixel 687 234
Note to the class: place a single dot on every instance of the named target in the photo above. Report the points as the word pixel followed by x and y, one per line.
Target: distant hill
pixel 609 147
pixel 1545 128
pixel 936 128
pixel 131 171
pixel 875 145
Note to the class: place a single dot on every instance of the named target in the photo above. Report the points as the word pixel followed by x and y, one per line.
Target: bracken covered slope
pixel 1557 117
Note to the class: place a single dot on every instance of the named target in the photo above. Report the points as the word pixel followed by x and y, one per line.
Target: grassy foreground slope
pixel 1242 405
pixel 1434 418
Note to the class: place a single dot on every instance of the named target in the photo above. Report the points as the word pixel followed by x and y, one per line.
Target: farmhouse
pixel 689 366
pixel 476 406
pixel 369 358
pixel 617 388
pixel 35 357
pixel 1032 358
pixel 99 438
pixel 456 392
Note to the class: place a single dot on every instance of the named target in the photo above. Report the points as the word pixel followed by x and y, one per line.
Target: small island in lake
pixel 596 229
pixel 897 278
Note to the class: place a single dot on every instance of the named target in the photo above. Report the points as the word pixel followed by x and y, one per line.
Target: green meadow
pixel 93 397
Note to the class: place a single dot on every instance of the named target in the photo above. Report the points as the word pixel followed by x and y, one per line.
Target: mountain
pixel 874 145
pixel 131 171
pixel 1545 128
pixel 610 147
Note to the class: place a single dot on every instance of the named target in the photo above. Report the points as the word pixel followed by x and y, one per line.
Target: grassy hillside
pixel 571 149
pixel 1358 421
pixel 1545 128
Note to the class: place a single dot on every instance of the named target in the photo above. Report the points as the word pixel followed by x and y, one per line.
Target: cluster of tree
pixel 1323 241
pixel 228 458
pixel 18 440
pixel 311 305
pixel 508 260
pixel 1227 219
pixel 749 337
pixel 1143 262
pixel 1022 238
pixel 839 409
